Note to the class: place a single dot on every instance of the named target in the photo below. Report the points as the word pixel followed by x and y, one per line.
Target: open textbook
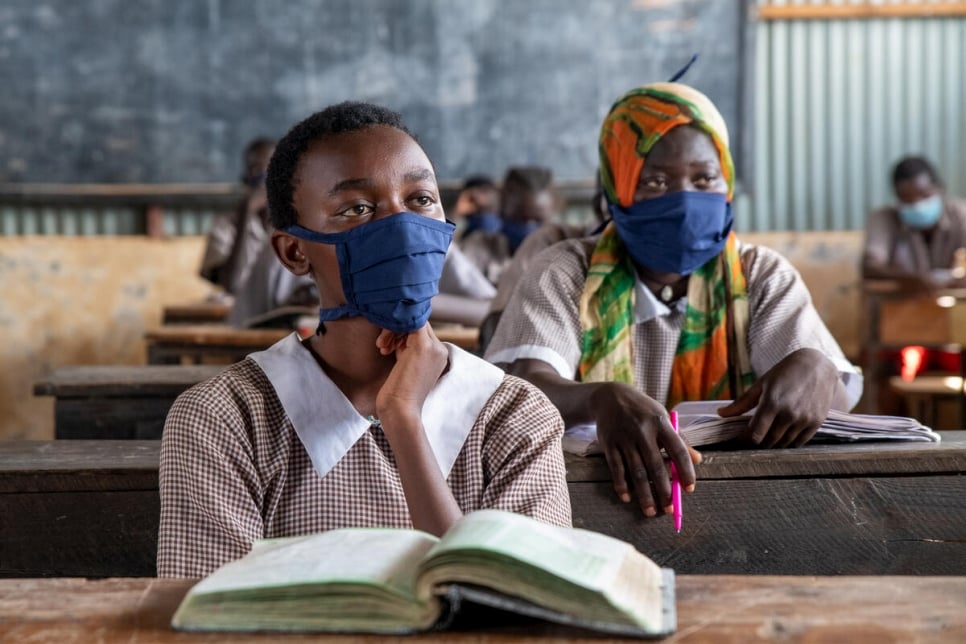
pixel 700 424
pixel 384 580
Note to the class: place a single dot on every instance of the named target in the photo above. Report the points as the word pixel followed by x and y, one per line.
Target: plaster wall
pixel 81 300
pixel 89 300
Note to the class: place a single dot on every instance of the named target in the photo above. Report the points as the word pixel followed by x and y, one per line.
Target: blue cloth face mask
pixel 516 231
pixel 389 269
pixel 488 222
pixel 675 233
pixel 922 214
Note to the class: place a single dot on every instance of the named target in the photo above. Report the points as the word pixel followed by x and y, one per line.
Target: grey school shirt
pixel 541 320
pixel 890 242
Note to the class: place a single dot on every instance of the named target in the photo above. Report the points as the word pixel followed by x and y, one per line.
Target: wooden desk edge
pixel 946 457
pixel 83 381
pixel 215 334
pixel 720 608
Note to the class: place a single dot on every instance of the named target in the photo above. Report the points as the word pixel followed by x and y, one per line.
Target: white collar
pixel 647 306
pixel 328 425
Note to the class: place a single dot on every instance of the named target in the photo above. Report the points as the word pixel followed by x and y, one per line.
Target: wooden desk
pixel 91 508
pixel 896 319
pixel 207 312
pixel 715 609
pixel 197 343
pixel 928 397
pixel 79 508
pixel 826 509
pixel 117 402
pixel 465 337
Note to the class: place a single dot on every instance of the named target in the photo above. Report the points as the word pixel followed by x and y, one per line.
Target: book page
pixel 700 424
pixel 581 439
pixel 588 576
pixel 585 558
pixel 374 556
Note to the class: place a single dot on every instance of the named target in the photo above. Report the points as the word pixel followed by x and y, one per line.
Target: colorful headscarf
pixel 711 361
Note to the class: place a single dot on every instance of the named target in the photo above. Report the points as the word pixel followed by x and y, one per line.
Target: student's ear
pixel 288 249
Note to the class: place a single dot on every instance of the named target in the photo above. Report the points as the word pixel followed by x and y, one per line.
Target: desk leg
pixel 870 377
pixel 158 354
pixel 962 388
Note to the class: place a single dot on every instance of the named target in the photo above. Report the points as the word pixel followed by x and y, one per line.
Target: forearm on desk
pixel 574 400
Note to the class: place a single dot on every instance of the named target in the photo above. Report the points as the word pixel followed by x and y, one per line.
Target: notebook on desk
pixel 700 424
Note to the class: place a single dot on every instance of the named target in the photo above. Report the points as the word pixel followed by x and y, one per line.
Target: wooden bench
pixel 207 312
pixel 198 343
pixel 933 399
pixel 117 402
pixel 91 508
pixel 718 608
pixel 896 319
pixel 465 337
pixel 79 508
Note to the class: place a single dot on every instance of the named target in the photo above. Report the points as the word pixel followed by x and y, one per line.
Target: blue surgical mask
pixel 675 233
pixel 389 269
pixel 922 214
pixel 517 231
pixel 488 222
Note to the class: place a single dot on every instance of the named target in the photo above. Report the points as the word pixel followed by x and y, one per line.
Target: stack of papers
pixel 700 424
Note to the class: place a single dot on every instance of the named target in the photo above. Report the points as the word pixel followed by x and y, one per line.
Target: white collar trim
pixel 328 425
pixel 647 306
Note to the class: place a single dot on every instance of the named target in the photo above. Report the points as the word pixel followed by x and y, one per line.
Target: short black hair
pixel 478 181
pixel 348 116
pixel 256 146
pixel 528 178
pixel 912 167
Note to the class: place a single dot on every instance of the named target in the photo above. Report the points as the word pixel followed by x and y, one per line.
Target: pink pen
pixel 676 483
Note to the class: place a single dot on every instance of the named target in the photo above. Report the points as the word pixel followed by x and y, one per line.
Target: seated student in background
pixel 916 240
pixel 464 292
pixel 372 421
pixel 543 237
pixel 665 305
pixel 527 201
pixel 920 243
pixel 478 205
pixel 236 239
pixel 269 287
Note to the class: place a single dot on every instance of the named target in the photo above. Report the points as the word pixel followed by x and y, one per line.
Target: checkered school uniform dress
pixel 235 467
pixel 541 321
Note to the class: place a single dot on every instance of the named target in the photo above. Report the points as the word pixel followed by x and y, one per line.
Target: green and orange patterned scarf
pixel 711 361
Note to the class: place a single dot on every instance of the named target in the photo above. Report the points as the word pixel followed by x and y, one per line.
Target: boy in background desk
pixel 527 201
pixel 236 239
pixel 372 421
pixel 919 245
pixel 921 240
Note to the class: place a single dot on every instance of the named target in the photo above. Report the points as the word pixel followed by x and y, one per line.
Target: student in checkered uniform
pixel 666 305
pixel 372 421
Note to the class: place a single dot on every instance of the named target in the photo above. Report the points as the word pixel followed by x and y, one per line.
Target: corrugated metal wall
pixel 838 101
pixel 96 220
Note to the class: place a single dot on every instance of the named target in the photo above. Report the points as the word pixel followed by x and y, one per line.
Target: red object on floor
pixel 912 362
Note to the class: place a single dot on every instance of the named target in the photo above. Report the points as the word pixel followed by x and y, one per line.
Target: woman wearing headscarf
pixel 666 305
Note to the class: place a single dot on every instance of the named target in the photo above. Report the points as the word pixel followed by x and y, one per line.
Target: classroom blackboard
pixel 171 90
